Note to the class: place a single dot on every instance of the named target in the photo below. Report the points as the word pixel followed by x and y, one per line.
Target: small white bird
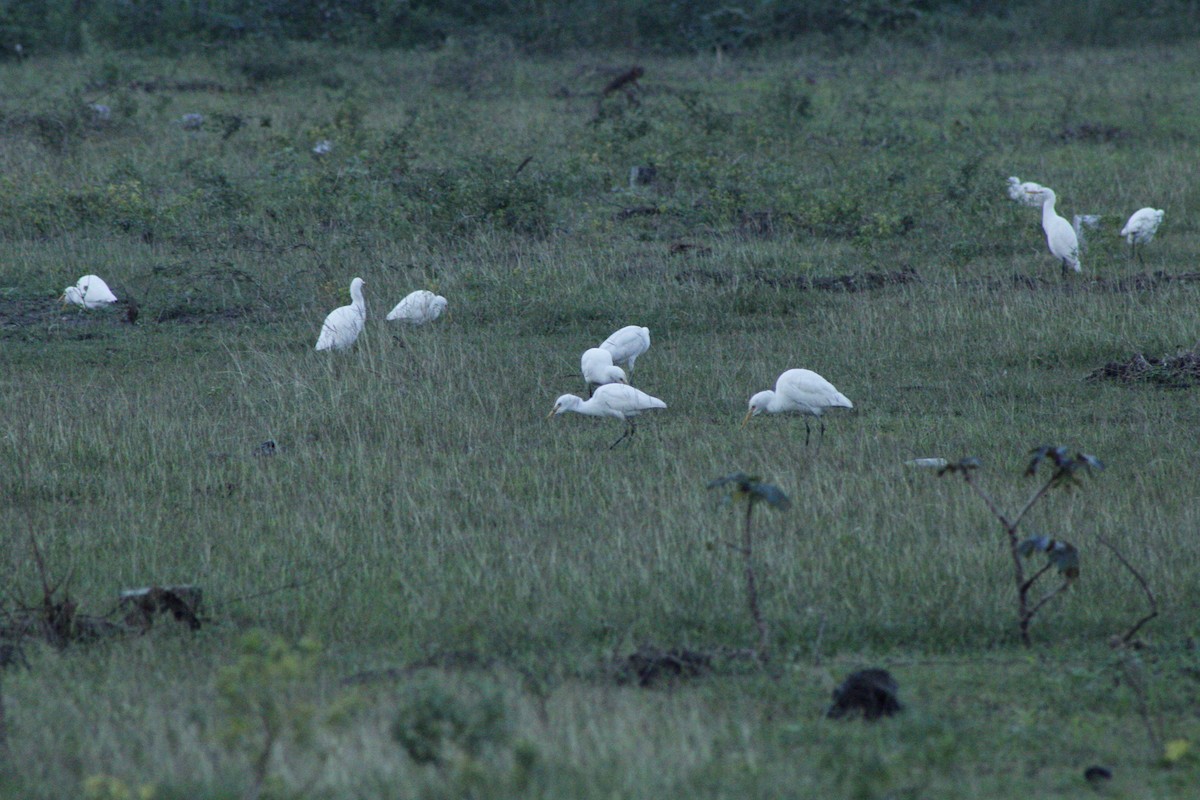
pixel 418 308
pixel 1060 236
pixel 1023 192
pixel 343 325
pixel 90 291
pixel 598 370
pixel 1141 227
pixel 611 400
pixel 627 344
pixel 802 391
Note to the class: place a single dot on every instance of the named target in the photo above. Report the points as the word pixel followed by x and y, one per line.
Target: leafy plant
pixel 263 705
pixel 749 489
pixel 435 725
pixel 1060 556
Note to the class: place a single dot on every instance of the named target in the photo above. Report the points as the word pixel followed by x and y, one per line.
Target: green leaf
pixel 741 486
pixel 1062 555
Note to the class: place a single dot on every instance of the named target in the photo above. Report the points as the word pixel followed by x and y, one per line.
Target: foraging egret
pixel 1023 192
pixel 418 308
pixel 627 344
pixel 1060 236
pixel 611 400
pixel 90 291
pixel 1141 227
pixel 344 324
pixel 598 370
pixel 803 391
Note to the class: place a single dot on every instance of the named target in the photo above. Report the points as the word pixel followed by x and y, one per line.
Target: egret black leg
pixel 807 432
pixel 630 430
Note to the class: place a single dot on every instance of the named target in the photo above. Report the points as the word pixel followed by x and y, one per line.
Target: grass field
pixel 468 575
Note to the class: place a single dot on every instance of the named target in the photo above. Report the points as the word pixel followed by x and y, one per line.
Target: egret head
pixel 72 295
pixel 615 375
pixel 758 404
pixel 437 306
pixel 568 402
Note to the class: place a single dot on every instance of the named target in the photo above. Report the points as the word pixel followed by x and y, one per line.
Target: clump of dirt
pixel 872 693
pixel 1177 372
pixel 649 665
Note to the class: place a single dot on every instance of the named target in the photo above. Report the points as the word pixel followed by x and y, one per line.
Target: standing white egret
pixel 344 324
pixel 90 291
pixel 611 400
pixel 627 344
pixel 1023 192
pixel 1141 227
pixel 418 308
pixel 802 391
pixel 598 370
pixel 1060 235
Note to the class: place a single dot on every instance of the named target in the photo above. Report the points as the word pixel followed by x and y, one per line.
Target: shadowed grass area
pixel 425 522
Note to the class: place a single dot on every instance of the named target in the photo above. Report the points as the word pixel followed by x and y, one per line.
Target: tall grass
pixel 421 505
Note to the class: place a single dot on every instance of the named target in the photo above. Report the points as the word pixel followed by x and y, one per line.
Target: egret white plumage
pixel 598 369
pixel 1141 227
pixel 802 391
pixel 1023 192
pixel 90 291
pixel 611 400
pixel 1060 236
pixel 627 344
pixel 343 325
pixel 418 308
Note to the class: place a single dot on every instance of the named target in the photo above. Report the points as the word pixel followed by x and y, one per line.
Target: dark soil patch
pixel 852 282
pixel 870 693
pixel 192 315
pixel 1174 372
pixel 650 666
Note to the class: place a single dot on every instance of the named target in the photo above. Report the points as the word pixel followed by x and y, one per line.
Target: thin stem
pixel 760 624
pixel 1145 588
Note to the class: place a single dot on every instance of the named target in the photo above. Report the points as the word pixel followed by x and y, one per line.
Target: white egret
pixel 1023 192
pixel 627 344
pixel 418 308
pixel 1141 227
pixel 1060 236
pixel 344 324
pixel 802 391
pixel 90 291
pixel 611 400
pixel 598 370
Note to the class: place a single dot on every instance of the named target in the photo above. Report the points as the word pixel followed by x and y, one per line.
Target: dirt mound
pixel 1180 371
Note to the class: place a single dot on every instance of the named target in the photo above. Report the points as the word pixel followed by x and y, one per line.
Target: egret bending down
pixel 611 400
pixel 418 308
pixel 1141 227
pixel 627 344
pixel 344 324
pixel 598 370
pixel 1060 235
pixel 90 291
pixel 802 391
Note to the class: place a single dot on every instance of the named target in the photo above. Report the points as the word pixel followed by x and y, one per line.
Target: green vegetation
pixel 472 570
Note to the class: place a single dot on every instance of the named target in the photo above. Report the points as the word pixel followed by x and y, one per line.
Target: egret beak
pixel 553 411
pixel 749 414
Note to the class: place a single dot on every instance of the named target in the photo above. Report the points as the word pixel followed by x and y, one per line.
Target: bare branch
pixel 1128 637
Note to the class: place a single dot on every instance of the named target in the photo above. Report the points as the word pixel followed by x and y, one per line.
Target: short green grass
pixel 422 505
